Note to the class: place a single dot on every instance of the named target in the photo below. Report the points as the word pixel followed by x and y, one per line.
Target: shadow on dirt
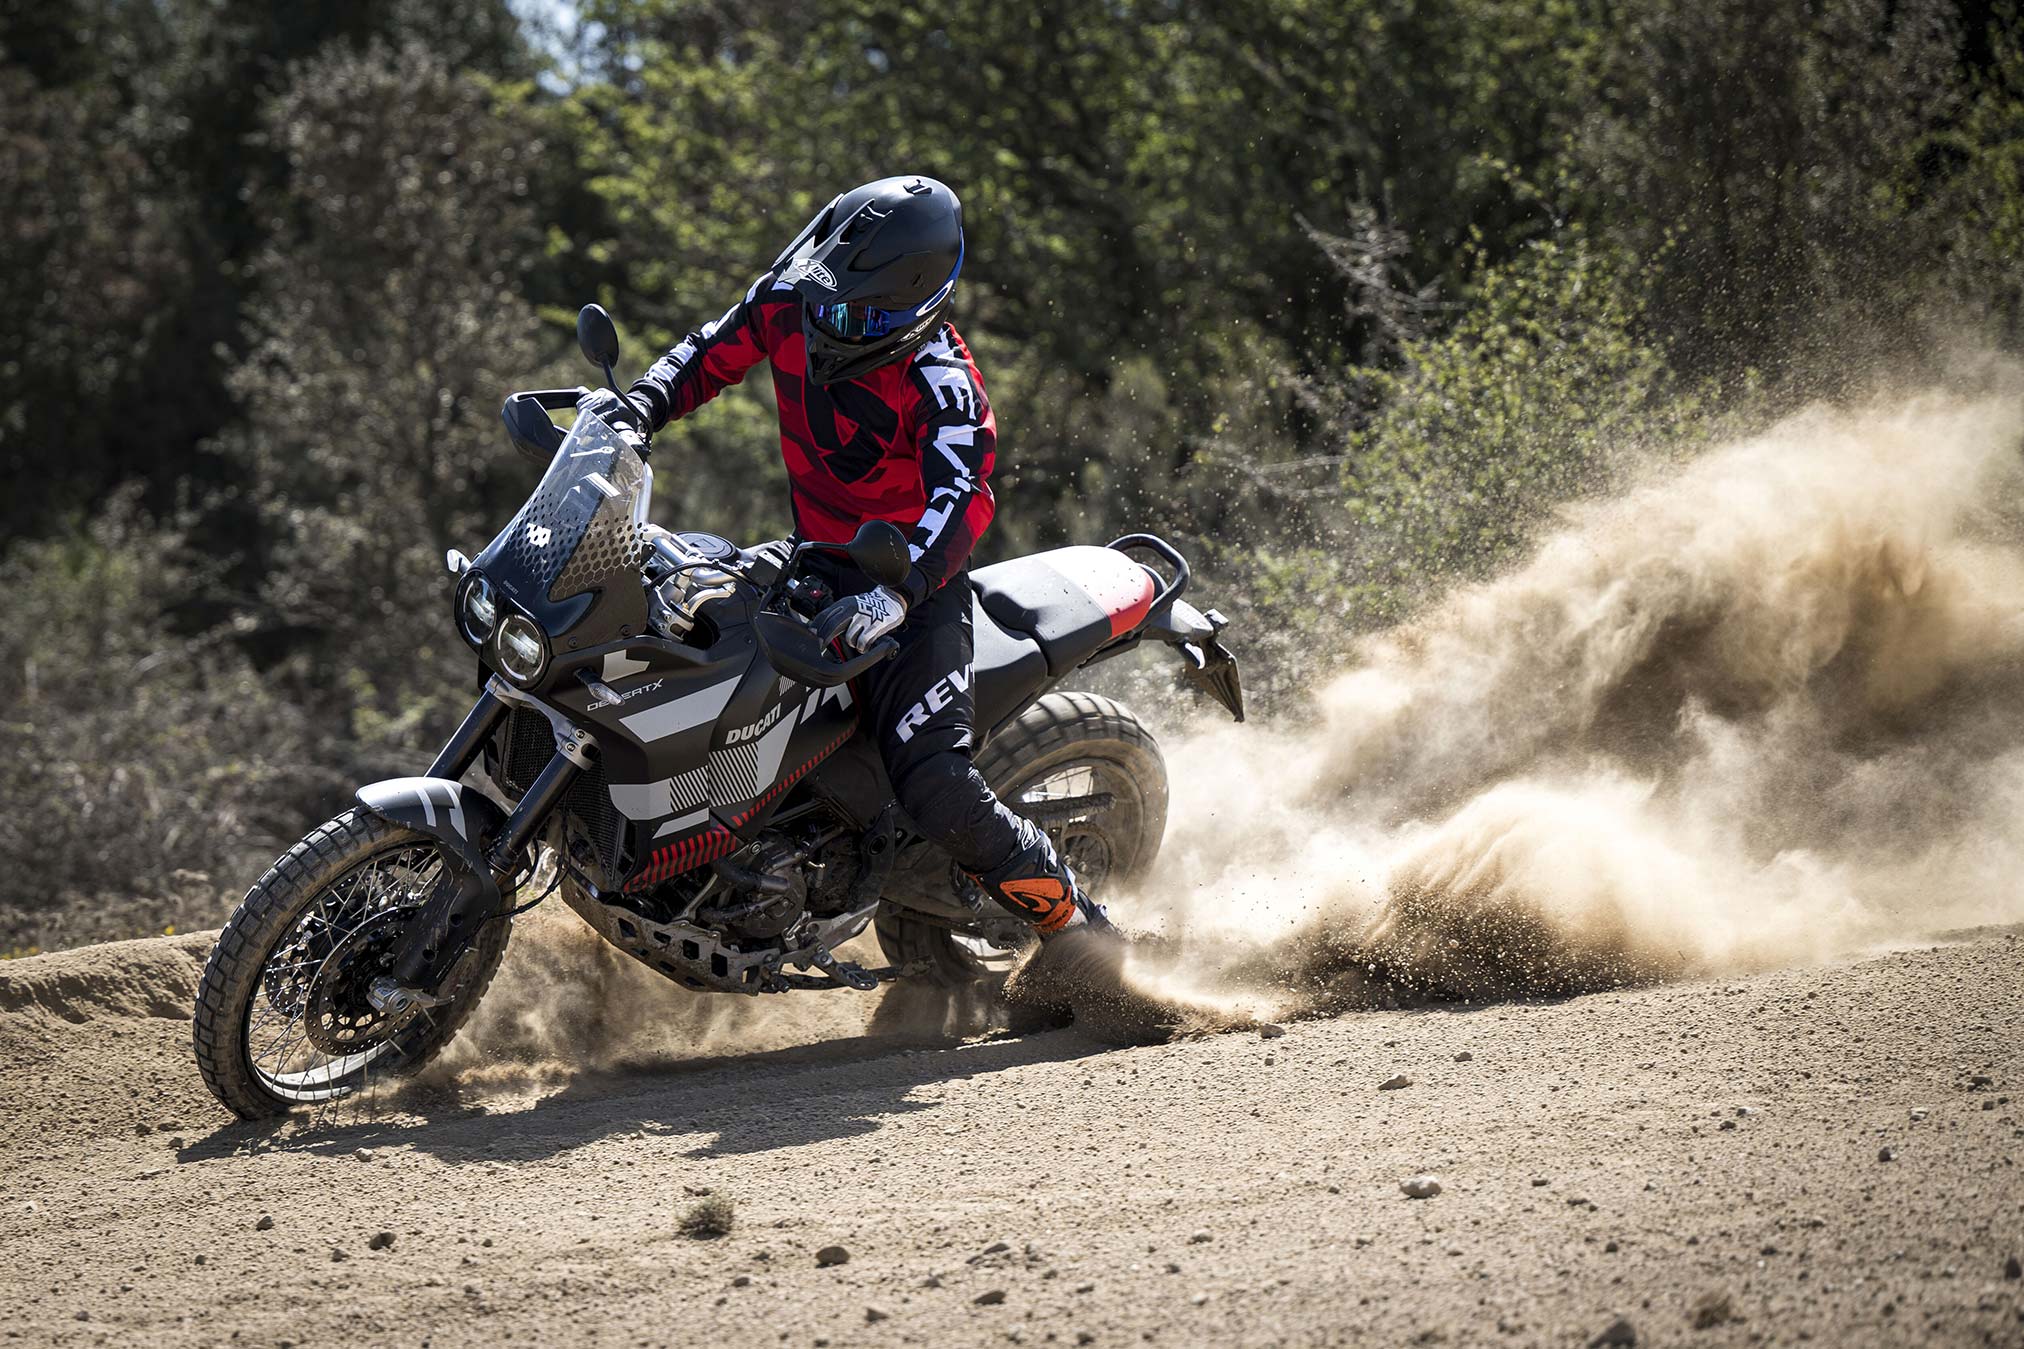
pixel 712 1107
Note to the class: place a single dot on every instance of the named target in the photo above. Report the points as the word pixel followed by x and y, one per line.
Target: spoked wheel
pixel 282 1014
pixel 1088 772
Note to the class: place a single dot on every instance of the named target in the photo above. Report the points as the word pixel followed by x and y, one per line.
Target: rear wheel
pixel 282 1017
pixel 1088 772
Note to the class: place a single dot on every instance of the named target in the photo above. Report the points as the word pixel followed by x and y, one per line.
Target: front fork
pixel 466 897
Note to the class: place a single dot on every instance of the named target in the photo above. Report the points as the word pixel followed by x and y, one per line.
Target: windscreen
pixel 579 531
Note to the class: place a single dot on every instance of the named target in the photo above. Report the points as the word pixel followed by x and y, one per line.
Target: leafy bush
pixel 147 771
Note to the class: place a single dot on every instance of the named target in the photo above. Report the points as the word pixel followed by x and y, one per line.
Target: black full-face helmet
pixel 873 270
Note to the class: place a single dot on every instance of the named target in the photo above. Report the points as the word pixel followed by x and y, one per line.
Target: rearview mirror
pixel 880 552
pixel 597 336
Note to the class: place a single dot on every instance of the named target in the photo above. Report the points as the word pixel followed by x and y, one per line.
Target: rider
pixel 883 416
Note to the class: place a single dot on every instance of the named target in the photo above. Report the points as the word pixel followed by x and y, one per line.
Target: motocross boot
pixel 1039 886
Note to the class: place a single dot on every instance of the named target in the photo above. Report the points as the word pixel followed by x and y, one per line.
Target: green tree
pixel 388 322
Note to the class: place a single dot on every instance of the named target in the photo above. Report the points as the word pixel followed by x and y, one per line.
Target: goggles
pixel 857 322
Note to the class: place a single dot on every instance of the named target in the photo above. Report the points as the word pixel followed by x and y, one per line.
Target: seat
pixel 1069 600
pixel 1008 670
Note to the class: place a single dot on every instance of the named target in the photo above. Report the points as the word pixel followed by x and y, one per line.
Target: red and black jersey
pixel 912 442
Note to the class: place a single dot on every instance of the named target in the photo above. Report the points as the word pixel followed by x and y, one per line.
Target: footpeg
pixel 844 972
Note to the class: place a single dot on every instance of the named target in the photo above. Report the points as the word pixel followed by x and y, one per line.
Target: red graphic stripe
pixel 738 822
pixel 716 841
pixel 685 855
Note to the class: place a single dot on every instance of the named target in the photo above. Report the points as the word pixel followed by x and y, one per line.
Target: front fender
pixel 464 822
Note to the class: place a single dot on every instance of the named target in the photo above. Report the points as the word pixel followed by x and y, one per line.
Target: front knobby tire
pixel 278 1021
pixel 1065 745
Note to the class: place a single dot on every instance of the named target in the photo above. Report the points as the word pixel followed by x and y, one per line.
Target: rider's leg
pixel 921 707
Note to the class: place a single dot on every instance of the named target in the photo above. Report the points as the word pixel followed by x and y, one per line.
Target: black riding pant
pixel 921 707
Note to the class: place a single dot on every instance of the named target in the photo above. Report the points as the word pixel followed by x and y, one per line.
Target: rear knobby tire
pixel 1058 737
pixel 269 916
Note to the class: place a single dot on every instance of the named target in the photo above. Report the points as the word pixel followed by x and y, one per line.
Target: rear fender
pixel 464 822
pixel 1207 664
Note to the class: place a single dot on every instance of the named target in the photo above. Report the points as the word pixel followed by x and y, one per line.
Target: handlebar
pixel 534 435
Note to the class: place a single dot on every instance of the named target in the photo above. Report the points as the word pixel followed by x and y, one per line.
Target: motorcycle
pixel 662 736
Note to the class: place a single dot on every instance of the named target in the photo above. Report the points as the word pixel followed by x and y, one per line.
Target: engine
pixel 804 868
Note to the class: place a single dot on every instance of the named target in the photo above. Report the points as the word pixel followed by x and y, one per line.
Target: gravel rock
pixel 381 1241
pixel 364 1154
pixel 339 1253
pixel 1420 1187
pixel 266 1223
pixel 990 1299
pixel 741 1281
pixel 1886 1154
pixel 832 1255
pixel 1395 1082
pixel 1465 1057
pixel 1711 1310
pixel 1618 1332
pixel 1200 1236
pixel 1268 1031
pixel 873 1315
pixel 1539 1181
pixel 1919 1112
pixel 2012 1269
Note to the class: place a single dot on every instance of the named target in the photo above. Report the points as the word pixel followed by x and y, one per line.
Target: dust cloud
pixel 1765 707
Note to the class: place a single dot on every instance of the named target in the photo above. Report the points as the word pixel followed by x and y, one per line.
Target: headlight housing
pixel 521 649
pixel 477 610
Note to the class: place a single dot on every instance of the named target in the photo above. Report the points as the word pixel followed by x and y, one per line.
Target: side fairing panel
pixel 762 734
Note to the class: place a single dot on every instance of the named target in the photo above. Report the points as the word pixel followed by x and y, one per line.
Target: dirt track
pixel 1595 1154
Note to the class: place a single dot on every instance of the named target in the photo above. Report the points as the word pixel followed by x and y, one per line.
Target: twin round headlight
pixel 478 610
pixel 521 648
pixel 517 643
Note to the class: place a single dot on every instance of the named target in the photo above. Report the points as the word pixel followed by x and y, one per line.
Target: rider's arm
pixel 713 358
pixel 957 437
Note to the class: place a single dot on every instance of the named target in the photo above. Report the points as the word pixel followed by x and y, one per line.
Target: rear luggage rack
pixel 1169 590
pixel 1209 667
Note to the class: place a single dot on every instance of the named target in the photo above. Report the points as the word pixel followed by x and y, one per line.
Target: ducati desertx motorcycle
pixel 662 735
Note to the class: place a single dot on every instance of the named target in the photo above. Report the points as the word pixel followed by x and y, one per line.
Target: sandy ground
pixel 1704 1162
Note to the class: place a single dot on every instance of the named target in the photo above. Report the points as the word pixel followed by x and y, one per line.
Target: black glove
pixel 631 410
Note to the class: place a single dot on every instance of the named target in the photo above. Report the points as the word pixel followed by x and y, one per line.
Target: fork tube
pixel 469 738
pixel 541 798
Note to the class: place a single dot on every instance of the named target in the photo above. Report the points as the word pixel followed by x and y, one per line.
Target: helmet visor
pixel 856 323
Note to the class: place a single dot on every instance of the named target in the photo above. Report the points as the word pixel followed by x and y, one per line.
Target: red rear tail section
pixel 1119 586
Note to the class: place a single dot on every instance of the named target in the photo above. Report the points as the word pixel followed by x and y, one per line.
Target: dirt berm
pixel 1825 1154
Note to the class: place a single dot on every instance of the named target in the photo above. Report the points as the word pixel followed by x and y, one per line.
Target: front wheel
pixel 1090 773
pixel 282 1017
